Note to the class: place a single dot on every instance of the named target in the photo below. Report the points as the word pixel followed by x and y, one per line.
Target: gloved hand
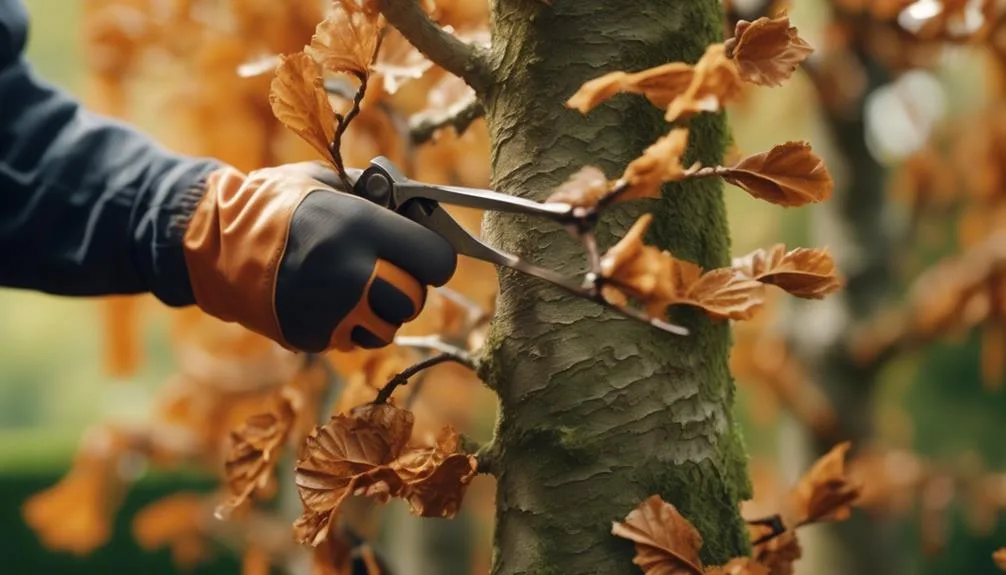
pixel 286 255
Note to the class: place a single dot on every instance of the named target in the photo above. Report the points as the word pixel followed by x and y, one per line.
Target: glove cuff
pixel 234 243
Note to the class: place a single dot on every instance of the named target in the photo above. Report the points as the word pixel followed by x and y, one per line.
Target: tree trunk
pixel 856 227
pixel 597 412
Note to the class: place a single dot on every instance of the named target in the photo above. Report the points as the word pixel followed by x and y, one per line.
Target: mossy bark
pixel 598 412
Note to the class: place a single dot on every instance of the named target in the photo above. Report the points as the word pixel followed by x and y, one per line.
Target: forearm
pixel 88 206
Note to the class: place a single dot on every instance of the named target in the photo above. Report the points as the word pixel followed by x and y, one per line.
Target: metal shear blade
pixel 383 184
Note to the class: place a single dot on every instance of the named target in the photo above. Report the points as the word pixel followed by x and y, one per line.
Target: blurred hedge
pixel 23 553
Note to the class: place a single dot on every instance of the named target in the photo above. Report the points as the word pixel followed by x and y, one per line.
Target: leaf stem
pixel 772 521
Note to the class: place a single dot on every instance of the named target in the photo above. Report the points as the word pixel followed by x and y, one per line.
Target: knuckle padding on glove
pixel 363 315
pixel 328 277
pixel 291 260
pixel 420 251
pixel 321 277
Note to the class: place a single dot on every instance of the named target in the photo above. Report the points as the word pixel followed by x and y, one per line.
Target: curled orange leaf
pixel 254 450
pixel 583 189
pixel 659 280
pixel 789 175
pixel 660 85
pixel 346 40
pixel 768 50
pixel 999 557
pixel 824 493
pixel 780 553
pixel 666 542
pixel 347 455
pixel 661 162
pixel 177 521
pixel 716 81
pixel 299 100
pixel 803 272
pixel 436 476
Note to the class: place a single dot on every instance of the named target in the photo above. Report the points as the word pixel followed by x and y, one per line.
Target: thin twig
pixel 342 124
pixel 423 125
pixel 439 45
pixel 772 521
pixel 593 256
pixel 402 378
pixel 433 343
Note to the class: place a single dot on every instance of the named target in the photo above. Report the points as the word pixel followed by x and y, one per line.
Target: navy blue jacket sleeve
pixel 88 206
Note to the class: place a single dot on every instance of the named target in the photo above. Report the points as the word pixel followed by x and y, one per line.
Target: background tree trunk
pixel 597 412
pixel 856 227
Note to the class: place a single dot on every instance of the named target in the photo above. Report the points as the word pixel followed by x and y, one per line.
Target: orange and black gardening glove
pixel 285 254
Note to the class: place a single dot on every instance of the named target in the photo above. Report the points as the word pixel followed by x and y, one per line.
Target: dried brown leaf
pixel 659 279
pixel 348 455
pixel 803 272
pixel 722 293
pixel 77 514
pixel 768 50
pixel 824 493
pixel 299 101
pixel 666 542
pixel 598 90
pixel 780 554
pixel 789 175
pixel 583 189
pixel 253 452
pixel 740 566
pixel 999 557
pixel 177 521
pixel 661 162
pixel 643 270
pixel 660 85
pixel 346 40
pixel 716 81
pixel 437 476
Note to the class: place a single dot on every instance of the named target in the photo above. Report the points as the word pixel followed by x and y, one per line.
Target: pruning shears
pixel 383 184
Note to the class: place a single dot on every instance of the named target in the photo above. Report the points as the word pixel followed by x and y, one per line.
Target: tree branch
pixel 424 125
pixel 439 45
pixel 951 283
pixel 403 377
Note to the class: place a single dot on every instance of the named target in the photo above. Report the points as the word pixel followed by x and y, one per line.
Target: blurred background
pixel 907 121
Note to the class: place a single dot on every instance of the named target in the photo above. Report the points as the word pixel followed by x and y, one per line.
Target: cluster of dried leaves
pixel 345 42
pixel 954 172
pixel 372 452
pixel 666 542
pixel 764 52
pixel 376 451
pixel 240 404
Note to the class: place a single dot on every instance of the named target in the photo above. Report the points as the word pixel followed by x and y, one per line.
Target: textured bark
pixel 598 412
pixel 857 228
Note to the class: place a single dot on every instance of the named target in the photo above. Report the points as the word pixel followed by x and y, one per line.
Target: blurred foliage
pixel 52 383
pixel 23 553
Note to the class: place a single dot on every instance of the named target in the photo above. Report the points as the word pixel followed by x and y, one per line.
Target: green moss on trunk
pixel 598 412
